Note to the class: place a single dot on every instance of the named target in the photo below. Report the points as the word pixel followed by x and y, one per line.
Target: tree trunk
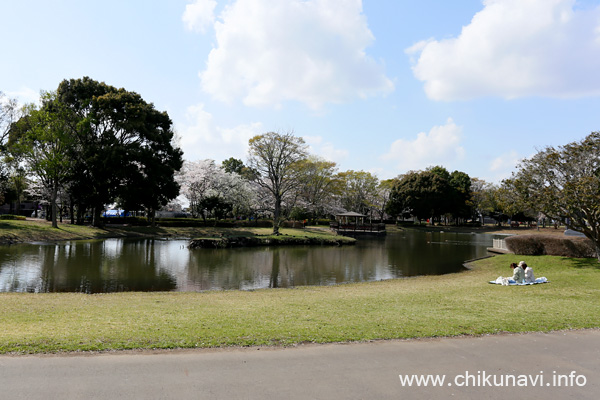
pixel 71 212
pixel 53 205
pixel 80 214
pixel 152 217
pixel 96 221
pixel 276 214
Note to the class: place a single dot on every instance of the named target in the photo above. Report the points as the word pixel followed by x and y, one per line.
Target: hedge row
pixel 186 222
pixel 197 222
pixel 535 245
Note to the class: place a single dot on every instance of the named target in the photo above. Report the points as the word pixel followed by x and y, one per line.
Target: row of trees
pixel 281 179
pixel 92 144
pixel 89 144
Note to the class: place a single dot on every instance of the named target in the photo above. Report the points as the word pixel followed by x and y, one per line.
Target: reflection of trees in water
pixel 97 267
pixel 252 268
pixel 150 265
pixel 13 276
pixel 274 280
pixel 431 253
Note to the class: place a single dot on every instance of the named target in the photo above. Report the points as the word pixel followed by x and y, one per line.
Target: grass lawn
pixel 39 230
pixel 454 304
pixel 42 231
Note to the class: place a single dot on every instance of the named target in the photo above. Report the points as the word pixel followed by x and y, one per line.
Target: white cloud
pixel 311 51
pixel 24 95
pixel 330 152
pixel 201 139
pixel 505 161
pixel 313 140
pixel 199 15
pixel 515 48
pixel 441 146
pixel 503 166
pixel 326 150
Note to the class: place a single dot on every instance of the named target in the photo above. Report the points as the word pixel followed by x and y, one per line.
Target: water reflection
pixel 88 267
pixel 116 265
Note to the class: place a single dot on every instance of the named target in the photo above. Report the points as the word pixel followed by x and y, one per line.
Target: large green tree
pixel 421 193
pixel 564 183
pixel 318 186
pixel 432 193
pixel 358 191
pixel 275 158
pixel 123 147
pixel 42 141
pixel 461 195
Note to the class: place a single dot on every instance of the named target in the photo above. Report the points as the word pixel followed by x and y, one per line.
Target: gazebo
pixel 350 218
pixel 350 223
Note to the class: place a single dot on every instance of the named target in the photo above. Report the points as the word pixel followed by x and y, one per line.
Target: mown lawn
pixel 42 231
pixel 38 230
pixel 455 304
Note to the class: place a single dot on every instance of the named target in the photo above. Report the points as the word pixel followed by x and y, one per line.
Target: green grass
pixel 226 237
pixel 30 231
pixel 42 231
pixel 456 304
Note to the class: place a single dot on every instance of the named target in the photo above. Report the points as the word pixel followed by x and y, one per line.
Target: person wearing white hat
pixel 529 277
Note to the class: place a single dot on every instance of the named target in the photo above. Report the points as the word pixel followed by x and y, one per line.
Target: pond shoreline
pixel 34 230
pixel 420 307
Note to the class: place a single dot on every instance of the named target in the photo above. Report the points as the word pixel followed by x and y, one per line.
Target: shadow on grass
pixel 5 225
pixel 232 232
pixel 592 263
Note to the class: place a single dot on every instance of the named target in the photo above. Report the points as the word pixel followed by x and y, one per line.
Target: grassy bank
pixel 42 231
pixel 455 304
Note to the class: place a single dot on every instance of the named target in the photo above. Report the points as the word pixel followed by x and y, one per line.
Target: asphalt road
pixel 558 365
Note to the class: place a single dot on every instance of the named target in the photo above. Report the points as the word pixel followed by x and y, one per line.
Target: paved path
pixel 337 371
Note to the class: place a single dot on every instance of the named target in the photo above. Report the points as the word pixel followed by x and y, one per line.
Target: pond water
pixel 116 265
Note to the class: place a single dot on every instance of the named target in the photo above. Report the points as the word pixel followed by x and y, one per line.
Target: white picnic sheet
pixel 509 282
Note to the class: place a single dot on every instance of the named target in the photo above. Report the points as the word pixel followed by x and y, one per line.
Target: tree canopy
pixel 123 146
pixel 42 141
pixel 564 183
pixel 108 144
pixel 432 193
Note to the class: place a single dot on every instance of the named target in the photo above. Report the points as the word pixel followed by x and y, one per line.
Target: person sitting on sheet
pixel 518 273
pixel 528 272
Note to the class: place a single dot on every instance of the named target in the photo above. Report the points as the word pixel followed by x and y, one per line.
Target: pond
pixel 116 265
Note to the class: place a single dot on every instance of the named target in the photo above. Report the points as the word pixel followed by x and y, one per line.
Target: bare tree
pixel 275 158
pixel 10 112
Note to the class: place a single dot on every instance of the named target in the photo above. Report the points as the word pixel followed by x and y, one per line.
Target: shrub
pixel 534 245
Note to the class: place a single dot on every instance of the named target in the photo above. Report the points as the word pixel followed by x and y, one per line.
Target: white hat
pixel 521 263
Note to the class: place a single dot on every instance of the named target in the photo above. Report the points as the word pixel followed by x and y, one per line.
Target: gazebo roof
pixel 350 214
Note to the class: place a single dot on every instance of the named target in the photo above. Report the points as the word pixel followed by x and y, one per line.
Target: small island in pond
pixel 297 237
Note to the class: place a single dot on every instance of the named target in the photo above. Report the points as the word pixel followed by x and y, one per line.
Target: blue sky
pixel 379 86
